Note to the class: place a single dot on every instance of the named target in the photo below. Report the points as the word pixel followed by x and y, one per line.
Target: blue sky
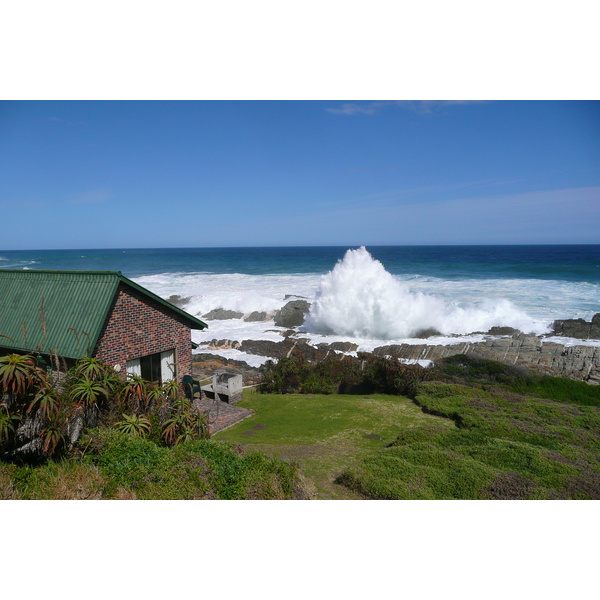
pixel 95 174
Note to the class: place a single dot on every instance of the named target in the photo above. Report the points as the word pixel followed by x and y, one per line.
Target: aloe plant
pixel 88 393
pixel 46 402
pixel 187 423
pixel 137 425
pixel 7 424
pixel 171 389
pixel 18 373
pixel 134 392
pixel 90 368
pixel 52 434
pixel 156 395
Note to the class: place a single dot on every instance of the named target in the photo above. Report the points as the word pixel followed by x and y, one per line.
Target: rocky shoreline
pixel 575 361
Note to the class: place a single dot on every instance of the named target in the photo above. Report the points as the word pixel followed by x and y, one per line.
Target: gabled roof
pixel 63 311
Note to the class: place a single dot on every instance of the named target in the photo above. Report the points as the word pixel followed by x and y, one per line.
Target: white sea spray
pixel 360 299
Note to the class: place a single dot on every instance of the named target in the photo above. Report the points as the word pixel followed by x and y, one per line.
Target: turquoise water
pixel 565 263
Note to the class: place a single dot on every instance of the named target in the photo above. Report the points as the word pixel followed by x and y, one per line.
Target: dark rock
pixel 280 349
pixel 292 333
pixel 263 348
pixel 575 362
pixel 503 331
pixel 205 364
pixel 578 328
pixel 423 334
pixel 292 314
pixel 221 314
pixel 338 346
pixel 178 300
pixel 223 344
pixel 256 316
pixel 288 296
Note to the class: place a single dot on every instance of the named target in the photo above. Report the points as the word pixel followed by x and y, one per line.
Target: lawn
pixel 455 441
pixel 326 434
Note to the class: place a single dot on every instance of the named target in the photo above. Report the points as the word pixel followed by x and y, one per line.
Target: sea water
pixel 371 296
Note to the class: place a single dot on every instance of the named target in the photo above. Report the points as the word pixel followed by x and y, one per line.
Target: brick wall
pixel 137 326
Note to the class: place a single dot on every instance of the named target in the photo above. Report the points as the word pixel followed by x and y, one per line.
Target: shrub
pixel 369 374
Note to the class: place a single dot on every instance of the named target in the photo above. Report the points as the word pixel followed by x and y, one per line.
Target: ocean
pixel 372 295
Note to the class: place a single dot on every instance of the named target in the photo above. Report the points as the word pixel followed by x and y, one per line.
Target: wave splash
pixel 359 298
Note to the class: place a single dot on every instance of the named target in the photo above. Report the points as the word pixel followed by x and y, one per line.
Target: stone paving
pixel 220 414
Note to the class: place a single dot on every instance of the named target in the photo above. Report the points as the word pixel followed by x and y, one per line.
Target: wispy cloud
pixel 350 108
pixel 420 107
pixel 96 196
pixel 548 216
pixel 428 194
pixel 55 119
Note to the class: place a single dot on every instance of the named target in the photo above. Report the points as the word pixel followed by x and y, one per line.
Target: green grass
pixel 326 433
pixel 127 467
pixel 561 389
pixel 455 441
pixel 478 371
pixel 506 446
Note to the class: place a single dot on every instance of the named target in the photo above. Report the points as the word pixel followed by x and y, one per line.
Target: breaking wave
pixel 359 298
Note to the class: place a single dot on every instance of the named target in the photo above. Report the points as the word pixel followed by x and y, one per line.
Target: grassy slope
pixel 125 467
pixel 475 437
pixel 507 446
pixel 326 433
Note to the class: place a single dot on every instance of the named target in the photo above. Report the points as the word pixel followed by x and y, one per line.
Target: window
pixel 159 367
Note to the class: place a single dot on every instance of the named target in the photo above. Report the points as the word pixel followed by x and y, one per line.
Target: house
pixel 71 314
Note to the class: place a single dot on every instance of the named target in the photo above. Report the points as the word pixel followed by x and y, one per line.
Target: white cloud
pixel 420 107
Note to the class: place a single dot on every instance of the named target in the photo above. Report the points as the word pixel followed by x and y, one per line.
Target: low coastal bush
pixel 475 370
pixel 366 374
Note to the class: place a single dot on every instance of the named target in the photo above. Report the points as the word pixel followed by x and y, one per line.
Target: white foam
pixel 568 342
pixel 252 359
pixel 242 293
pixel 392 307
pixel 359 298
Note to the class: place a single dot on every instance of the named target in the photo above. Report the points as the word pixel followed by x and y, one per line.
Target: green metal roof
pixel 62 311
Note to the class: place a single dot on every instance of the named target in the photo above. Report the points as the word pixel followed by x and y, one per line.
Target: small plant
pixel 88 393
pixel 134 425
pixel 134 393
pixel 52 435
pixel 171 389
pixel 90 368
pixel 186 423
pixel 18 372
pixel 7 424
pixel 45 402
pixel 156 395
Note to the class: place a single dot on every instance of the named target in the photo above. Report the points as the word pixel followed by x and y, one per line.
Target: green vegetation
pixel 506 445
pixel 121 466
pixel 40 408
pixel 141 441
pixel 473 370
pixel 366 374
pixel 326 433
pixel 478 430
pixel 468 429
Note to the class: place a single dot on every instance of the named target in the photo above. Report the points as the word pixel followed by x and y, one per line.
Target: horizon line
pixel 295 246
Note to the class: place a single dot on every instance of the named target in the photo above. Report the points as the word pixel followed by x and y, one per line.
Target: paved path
pixel 220 414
